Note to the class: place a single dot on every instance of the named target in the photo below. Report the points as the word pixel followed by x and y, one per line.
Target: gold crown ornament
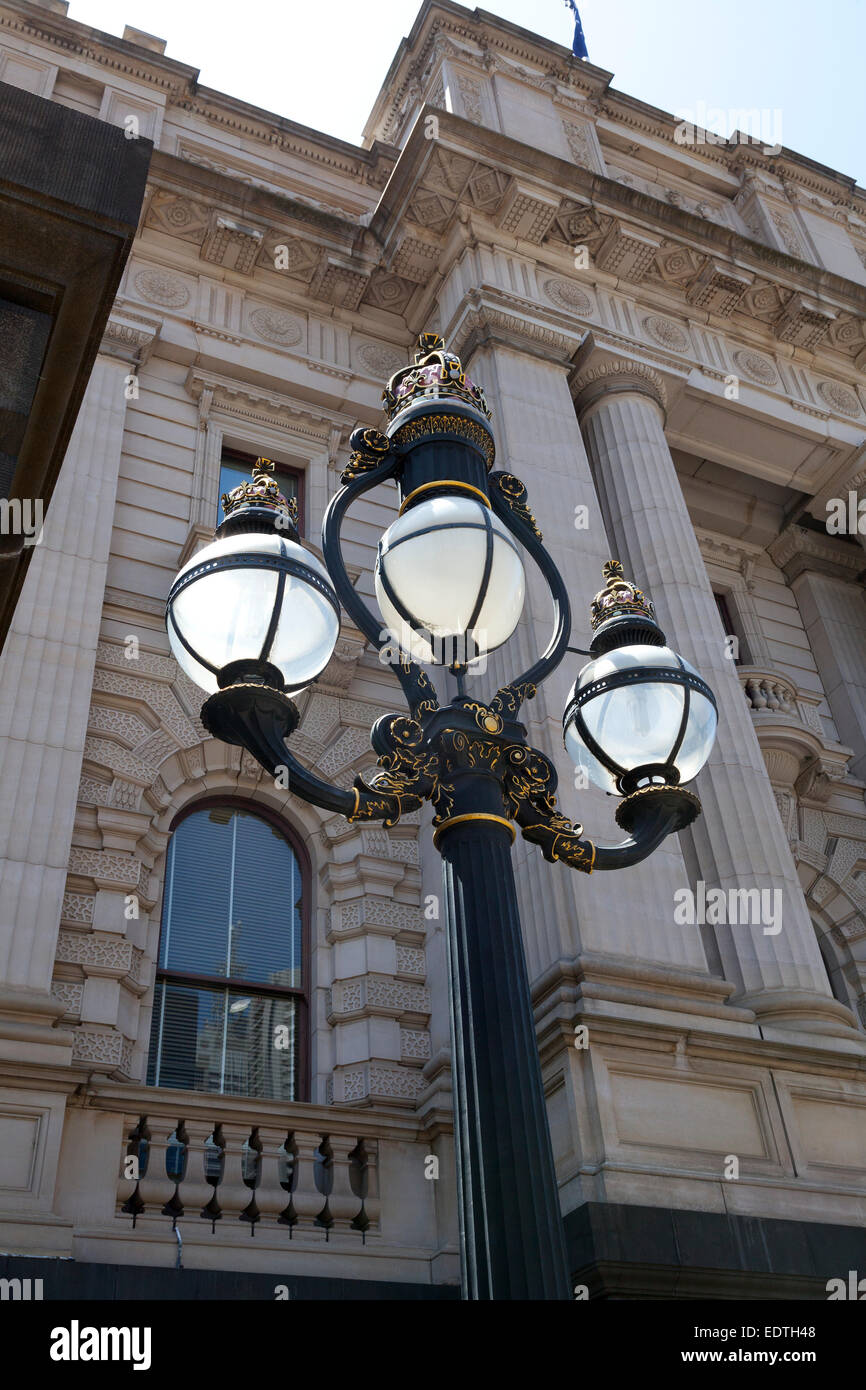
pixel 260 491
pixel 619 598
pixel 434 375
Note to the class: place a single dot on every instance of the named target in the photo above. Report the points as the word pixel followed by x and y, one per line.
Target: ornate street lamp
pixel 255 615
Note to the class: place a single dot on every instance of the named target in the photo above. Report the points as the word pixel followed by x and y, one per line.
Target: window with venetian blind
pixel 229 1009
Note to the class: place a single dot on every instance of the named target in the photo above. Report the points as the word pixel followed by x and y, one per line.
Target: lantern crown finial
pixel 261 491
pixel 434 375
pixel 619 598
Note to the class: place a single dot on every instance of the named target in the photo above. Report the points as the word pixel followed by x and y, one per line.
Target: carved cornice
pixel 118 55
pixel 479 322
pixel 129 336
pixel 798 549
pixel 730 553
pixel 245 399
pixel 485 44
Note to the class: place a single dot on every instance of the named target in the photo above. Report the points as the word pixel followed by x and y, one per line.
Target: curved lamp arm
pixel 649 814
pixel 508 499
pixel 372 462
pixel 260 720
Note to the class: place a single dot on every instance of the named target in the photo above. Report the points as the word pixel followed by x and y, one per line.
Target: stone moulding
pixel 595 381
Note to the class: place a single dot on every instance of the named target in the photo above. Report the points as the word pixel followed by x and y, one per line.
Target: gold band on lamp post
pixel 446 483
pixel 473 815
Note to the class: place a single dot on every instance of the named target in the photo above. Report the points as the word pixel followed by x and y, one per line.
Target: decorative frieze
pixel 380 845
pixel 565 294
pixel 367 994
pixel 415 260
pixel 839 398
pixel 161 287
pixel 382 1083
pixel 69 993
pixel 340 283
pixel 105 867
pixel 103 955
pixel 106 1050
pixel 380 360
pixel 527 212
pixel 579 137
pixel 414 1046
pixel 804 322
pixel 411 960
pixel 627 252
pixel 756 367
pixel 718 288
pixel 667 333
pixel 77 907
pixel 235 245
pixel 276 326
pixel 382 916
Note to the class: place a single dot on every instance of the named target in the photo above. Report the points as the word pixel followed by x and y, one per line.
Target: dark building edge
pixel 622 1251
pixel 617 1251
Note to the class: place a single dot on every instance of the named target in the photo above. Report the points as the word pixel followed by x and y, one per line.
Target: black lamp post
pixel 254 618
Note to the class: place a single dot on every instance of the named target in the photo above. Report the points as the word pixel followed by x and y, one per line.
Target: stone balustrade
pixel 765 690
pixel 294 1177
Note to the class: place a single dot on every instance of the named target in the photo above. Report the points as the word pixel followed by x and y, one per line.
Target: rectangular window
pixel 224 1041
pixel 728 624
pixel 236 467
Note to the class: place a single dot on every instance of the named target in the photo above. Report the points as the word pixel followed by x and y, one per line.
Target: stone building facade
pixel 671 337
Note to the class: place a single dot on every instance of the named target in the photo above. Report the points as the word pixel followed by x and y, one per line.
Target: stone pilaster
pixel 738 843
pixel 823 573
pixel 46 675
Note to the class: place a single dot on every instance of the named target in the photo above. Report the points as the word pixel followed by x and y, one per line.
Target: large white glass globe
pixel 637 724
pixel 449 580
pixel 225 605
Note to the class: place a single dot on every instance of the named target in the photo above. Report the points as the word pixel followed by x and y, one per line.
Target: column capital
pixel 129 336
pixel 482 323
pixel 799 548
pixel 598 372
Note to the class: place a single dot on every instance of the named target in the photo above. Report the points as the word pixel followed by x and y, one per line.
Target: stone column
pixel 823 574
pixel 738 843
pixel 46 675
pixel 620 926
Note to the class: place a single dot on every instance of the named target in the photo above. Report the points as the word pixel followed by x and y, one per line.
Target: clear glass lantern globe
pixel 449 580
pixel 639 715
pixel 253 597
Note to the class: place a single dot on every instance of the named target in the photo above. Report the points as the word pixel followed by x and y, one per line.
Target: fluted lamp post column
pixel 253 618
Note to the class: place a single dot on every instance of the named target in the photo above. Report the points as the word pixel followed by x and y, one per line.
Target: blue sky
pixel 802 61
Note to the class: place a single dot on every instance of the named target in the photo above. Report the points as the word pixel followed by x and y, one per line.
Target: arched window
pixel 229 1008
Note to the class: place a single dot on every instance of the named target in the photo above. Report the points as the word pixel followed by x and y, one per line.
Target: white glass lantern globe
pixel 639 715
pixel 253 597
pixel 449 580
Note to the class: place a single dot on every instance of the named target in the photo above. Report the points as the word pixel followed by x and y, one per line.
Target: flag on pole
pixel 578 47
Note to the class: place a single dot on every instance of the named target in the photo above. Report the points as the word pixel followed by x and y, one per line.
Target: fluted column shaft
pixel 564 913
pixel 739 841
pixel 46 677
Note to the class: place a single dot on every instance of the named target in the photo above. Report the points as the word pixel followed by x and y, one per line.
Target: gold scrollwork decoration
pixel 369 448
pixel 509 698
pixel 514 493
pixel 447 424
